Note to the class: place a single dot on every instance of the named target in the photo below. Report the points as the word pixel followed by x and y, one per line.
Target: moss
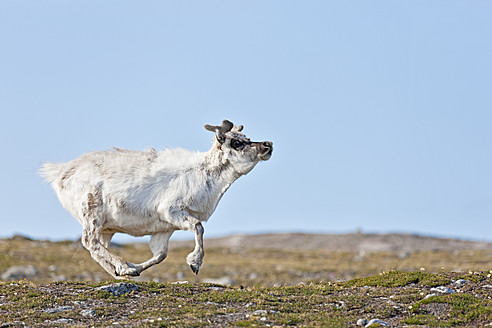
pixel 465 308
pixel 399 279
pixel 313 305
pixel 426 319
pixel 245 323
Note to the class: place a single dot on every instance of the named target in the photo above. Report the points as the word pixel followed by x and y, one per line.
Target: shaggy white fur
pixel 151 193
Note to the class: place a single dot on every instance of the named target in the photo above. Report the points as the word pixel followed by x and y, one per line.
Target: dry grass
pixel 247 267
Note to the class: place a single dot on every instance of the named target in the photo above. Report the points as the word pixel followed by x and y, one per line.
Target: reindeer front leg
pixel 195 258
pixel 184 221
pixel 159 246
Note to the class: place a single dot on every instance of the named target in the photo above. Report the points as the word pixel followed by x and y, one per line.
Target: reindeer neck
pixel 218 168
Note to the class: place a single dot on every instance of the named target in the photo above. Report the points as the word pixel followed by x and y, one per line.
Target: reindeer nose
pixel 267 144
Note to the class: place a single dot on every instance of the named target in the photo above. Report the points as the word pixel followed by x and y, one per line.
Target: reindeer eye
pixel 236 144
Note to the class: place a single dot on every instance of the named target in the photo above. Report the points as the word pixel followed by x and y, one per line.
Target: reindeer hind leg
pixel 94 241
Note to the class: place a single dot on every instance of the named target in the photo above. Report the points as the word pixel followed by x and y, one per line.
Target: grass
pixel 312 288
pixel 253 267
pixel 394 297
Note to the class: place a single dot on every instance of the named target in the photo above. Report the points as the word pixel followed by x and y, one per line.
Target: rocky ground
pixel 264 280
pixel 392 299
pixel 249 260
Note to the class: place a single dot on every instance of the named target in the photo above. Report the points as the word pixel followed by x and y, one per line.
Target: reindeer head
pixel 239 150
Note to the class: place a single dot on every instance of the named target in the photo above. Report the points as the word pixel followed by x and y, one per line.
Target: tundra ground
pixel 248 282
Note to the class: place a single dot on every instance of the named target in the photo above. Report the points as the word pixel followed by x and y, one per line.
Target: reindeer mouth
pixel 266 150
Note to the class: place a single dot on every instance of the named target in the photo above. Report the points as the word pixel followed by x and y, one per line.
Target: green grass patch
pixel 399 279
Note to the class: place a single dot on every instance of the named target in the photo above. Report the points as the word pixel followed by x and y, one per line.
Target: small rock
pixel 62 321
pixel 260 312
pixel 58 309
pixel 442 290
pixel 52 268
pixel 487 286
pixel 87 313
pixel 84 276
pixel 460 282
pixel 180 282
pixel 362 322
pixel 219 281
pixel 19 272
pixel 59 278
pixel 375 322
pixel 429 295
pixel 119 288
pixel 252 276
pixel 404 255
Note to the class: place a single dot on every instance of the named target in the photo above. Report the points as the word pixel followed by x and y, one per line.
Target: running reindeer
pixel 151 193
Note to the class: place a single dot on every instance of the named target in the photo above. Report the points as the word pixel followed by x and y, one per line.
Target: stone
pixel 260 312
pixel 460 283
pixel 442 290
pixel 119 288
pixel 376 323
pixel 362 322
pixel 19 272
pixel 58 309
pixel 219 281
pixel 59 278
pixel 88 313
pixel 62 321
pixel 52 268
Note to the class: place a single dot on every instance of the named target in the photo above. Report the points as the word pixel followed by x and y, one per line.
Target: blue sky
pixel 380 111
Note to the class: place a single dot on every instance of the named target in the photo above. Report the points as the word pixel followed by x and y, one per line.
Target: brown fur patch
pixel 66 175
pixel 94 202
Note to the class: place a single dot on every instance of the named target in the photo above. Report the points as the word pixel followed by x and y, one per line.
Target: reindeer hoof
pixel 195 268
pixel 129 270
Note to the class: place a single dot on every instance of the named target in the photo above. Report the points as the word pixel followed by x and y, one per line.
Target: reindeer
pixel 151 193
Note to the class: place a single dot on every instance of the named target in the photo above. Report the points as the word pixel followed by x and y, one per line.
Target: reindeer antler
pixel 221 130
pixel 225 127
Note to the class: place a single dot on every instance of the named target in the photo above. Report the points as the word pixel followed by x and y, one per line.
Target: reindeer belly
pixel 135 225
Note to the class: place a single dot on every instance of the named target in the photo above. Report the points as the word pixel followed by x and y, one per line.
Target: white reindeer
pixel 151 193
